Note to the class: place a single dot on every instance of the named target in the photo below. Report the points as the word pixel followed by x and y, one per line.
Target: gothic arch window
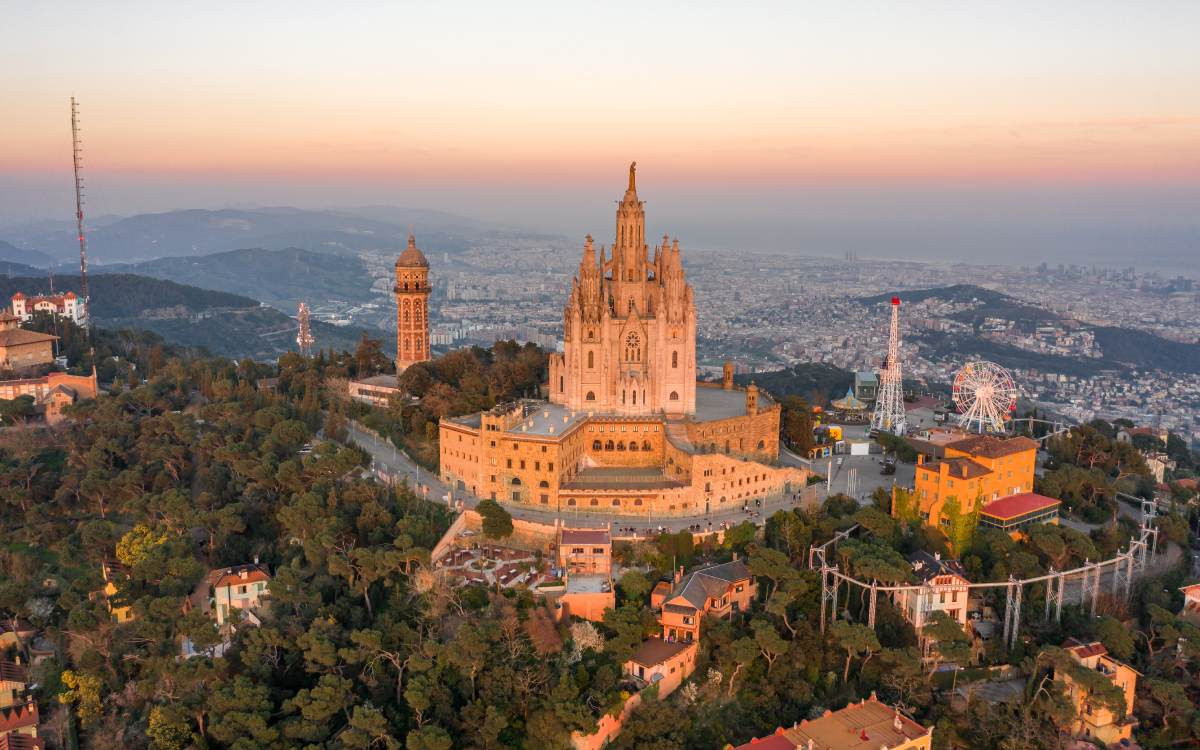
pixel 633 347
pixel 629 275
pixel 646 445
pixel 635 398
pixel 417 312
pixel 590 396
pixel 674 359
pixel 560 382
pixel 516 481
pixel 609 446
pixel 761 445
pixel 417 342
pixel 620 445
pixel 597 445
pixel 633 446
pixel 674 396
pixel 591 361
pixel 631 306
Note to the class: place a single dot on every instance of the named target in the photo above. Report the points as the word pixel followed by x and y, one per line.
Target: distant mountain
pixel 10 253
pixel 278 277
pixel 226 324
pixel 202 232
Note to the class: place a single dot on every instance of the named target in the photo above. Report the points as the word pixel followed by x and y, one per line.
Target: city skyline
pixel 914 132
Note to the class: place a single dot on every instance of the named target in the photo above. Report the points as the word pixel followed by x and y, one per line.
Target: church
pixel 627 428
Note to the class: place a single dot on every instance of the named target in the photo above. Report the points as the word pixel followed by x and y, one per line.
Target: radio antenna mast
pixel 77 152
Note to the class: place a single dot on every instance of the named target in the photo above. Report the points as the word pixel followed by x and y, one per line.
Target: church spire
pixel 633 176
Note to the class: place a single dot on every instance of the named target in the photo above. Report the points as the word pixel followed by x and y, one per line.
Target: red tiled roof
pixel 989 446
pixel 16 741
pixel 959 467
pixel 777 741
pixel 232 576
pixel 18 717
pixel 585 536
pixel 1085 650
pixel 1018 505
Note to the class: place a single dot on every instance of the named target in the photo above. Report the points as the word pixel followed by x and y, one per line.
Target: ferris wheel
pixel 985 395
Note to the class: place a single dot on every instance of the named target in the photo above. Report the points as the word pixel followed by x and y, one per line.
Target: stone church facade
pixel 626 429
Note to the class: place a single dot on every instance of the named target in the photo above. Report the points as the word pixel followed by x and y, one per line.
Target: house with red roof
pixel 1016 512
pixel 19 727
pixel 866 725
pixel 232 595
pixel 68 305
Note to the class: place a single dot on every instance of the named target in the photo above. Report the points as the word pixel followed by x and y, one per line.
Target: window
pixel 560 382
pixel 646 445
pixel 596 445
pixel 522 463
pixel 633 347
pixel 516 496
pixel 545 499
pixel 674 359
pixel 577 550
pixel 508 463
pixel 516 481
pixel 674 396
pixel 633 445
pixel 543 483
pixel 590 396
pixel 597 550
pixel 591 363
pixel 609 446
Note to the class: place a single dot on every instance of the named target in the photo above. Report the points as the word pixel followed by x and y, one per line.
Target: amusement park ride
pixel 985 395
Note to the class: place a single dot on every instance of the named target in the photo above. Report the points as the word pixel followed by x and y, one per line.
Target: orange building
pixel 1093 721
pixel 866 725
pixel 52 392
pixel 19 727
pixel 718 590
pixel 663 663
pixel 20 349
pixel 412 307
pixel 627 429
pixel 974 471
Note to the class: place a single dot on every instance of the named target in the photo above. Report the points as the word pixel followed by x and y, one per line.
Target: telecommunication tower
pixel 889 402
pixel 304 339
pixel 77 157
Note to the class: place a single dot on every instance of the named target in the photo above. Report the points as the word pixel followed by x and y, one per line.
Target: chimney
pixel 937 555
pixel 679 575
pixel 735 556
pixel 242 573
pixel 897 724
pixel 920 459
pixel 256 559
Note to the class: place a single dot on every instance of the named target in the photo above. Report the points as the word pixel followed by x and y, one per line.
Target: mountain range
pixel 195 232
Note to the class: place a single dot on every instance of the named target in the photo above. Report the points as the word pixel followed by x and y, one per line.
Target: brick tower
pixel 412 307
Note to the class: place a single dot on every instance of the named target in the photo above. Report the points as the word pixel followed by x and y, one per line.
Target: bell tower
pixel 412 307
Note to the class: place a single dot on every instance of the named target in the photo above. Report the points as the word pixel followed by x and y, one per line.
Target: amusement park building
pixel 627 428
pixel 974 471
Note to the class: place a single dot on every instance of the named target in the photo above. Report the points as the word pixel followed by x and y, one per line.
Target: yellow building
pixel 627 429
pixel 867 725
pixel 1094 721
pixel 974 471
pixel 114 573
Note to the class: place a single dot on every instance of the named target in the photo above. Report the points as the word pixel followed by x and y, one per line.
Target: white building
pixel 67 305
pixel 943 588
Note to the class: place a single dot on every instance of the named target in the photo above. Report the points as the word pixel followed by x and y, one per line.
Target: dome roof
pixel 412 257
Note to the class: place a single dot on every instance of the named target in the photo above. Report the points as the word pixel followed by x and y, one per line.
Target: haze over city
pixel 1064 132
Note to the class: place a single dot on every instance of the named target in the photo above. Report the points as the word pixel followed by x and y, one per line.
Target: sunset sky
pixel 751 121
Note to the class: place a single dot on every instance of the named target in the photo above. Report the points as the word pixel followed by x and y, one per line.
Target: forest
pixel 208 464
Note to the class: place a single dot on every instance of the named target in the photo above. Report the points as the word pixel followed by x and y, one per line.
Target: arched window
pixel 560 383
pixel 761 445
pixel 646 445
pixel 543 483
pixel 609 446
pixel 595 501
pixel 635 398
pixel 621 445
pixel 591 359
pixel 637 501
pixel 674 396
pixel 570 501
pixel 590 396
pixel 674 359
pixel 616 503
pixel 516 481
pixel 633 445
pixel 596 445
pixel 726 446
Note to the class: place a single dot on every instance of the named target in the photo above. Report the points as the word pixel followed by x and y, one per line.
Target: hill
pixel 10 253
pixel 278 277
pixel 815 381
pixel 201 232
pixel 1122 347
pixel 228 325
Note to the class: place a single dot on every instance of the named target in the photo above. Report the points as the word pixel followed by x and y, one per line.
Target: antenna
pixel 304 338
pixel 76 153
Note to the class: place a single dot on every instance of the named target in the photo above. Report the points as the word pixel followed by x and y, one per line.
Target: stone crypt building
pixel 627 429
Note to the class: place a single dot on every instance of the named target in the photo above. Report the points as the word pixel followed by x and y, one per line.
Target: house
pixel 719 590
pixel 943 589
pixel 114 573
pixel 1095 722
pixel 243 588
pixel 19 727
pixel 867 725
pixel 663 663
pixel 51 392
pixel 585 558
pixel 973 471
pixel 1191 602
pixel 13 679
pixel 1016 512
pixel 15 633
pixel 374 391
pixel 21 349
pixel 68 305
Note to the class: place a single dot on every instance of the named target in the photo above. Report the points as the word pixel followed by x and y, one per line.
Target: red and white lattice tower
pixel 889 403
pixel 77 158
pixel 304 338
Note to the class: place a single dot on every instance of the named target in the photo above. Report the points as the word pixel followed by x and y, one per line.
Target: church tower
pixel 412 307
pixel 629 326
